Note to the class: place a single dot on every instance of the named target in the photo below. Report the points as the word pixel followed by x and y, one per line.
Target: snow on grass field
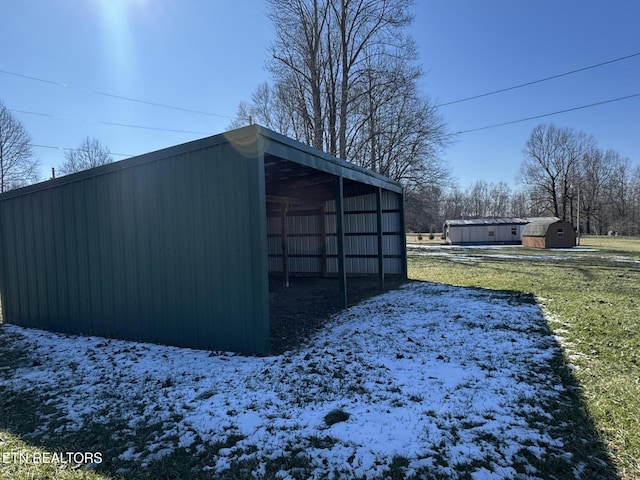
pixel 514 252
pixel 427 378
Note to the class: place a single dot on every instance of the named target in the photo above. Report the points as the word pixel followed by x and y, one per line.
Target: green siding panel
pixel 163 251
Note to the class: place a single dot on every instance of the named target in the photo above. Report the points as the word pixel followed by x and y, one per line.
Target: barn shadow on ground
pixel 305 306
pixel 590 455
pixel 586 454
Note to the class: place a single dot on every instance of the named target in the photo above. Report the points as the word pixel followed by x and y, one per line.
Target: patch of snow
pixel 427 370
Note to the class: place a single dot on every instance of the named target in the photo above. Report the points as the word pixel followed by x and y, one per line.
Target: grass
pixel 21 458
pixel 424 238
pixel 335 416
pixel 591 296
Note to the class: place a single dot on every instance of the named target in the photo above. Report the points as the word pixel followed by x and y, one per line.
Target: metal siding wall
pixel 157 252
pixel 304 242
pixel 390 200
pixel 10 301
pixel 360 237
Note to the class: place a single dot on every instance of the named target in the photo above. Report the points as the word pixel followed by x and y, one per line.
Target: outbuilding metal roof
pixel 488 221
pixel 287 162
pixel 499 221
pixel 539 228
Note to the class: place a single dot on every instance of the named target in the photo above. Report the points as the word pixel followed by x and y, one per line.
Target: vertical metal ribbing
pixel 342 274
pixel 380 234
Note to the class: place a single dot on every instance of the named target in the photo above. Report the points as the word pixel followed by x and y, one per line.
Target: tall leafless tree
pixel 346 78
pixel 299 57
pixel 596 170
pixel 365 27
pixel 551 157
pixel 91 153
pixel 616 207
pixel 18 165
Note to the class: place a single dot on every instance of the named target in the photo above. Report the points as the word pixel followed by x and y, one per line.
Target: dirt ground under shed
pixel 301 309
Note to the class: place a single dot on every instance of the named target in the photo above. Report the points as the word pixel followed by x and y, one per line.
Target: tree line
pixel 566 174
pixel 563 174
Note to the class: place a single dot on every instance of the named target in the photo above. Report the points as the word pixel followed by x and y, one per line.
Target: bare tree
pixel 423 211
pixel 520 205
pixel 18 166
pixel 298 54
pixel 345 78
pixel 551 156
pixel 620 205
pixel 91 153
pixel 394 130
pixel 596 170
pixel 364 26
pixel 632 219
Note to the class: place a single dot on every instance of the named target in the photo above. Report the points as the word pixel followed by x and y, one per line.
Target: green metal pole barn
pixel 176 246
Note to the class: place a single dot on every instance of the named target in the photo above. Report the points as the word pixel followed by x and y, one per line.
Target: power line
pixel 502 90
pixel 60 117
pixel 112 95
pixel 51 147
pixel 550 114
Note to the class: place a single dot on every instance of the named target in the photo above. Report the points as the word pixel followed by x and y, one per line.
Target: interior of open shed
pixel 304 248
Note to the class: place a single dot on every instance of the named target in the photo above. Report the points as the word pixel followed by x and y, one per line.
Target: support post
pixel 578 220
pixel 285 247
pixel 323 240
pixel 342 274
pixel 403 237
pixel 380 238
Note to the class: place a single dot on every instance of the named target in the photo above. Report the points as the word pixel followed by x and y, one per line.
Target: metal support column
pixel 323 241
pixel 285 247
pixel 403 238
pixel 342 274
pixel 380 238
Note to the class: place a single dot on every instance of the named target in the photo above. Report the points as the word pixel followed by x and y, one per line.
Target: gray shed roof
pixel 498 221
pixel 487 221
pixel 539 228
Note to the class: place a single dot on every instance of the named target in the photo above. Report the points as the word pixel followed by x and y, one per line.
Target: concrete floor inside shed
pixel 298 311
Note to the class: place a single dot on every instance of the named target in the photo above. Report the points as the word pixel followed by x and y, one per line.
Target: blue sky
pixel 208 55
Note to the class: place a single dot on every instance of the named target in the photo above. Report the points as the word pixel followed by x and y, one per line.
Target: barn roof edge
pixel 345 168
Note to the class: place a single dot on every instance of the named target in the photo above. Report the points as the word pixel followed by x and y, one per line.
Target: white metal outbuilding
pixel 486 231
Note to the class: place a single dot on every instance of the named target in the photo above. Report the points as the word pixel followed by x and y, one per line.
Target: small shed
pixel 484 231
pixel 177 246
pixel 549 234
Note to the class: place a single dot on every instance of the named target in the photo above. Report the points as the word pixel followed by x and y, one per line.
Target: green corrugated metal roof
pixel 270 143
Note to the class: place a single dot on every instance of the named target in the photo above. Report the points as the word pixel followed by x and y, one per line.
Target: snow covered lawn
pixel 428 380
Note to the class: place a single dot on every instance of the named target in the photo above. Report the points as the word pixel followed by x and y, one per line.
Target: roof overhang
pixel 292 169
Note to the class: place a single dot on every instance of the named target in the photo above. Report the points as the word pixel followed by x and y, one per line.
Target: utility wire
pixel 112 95
pixel 51 147
pixel 550 114
pixel 59 117
pixel 502 90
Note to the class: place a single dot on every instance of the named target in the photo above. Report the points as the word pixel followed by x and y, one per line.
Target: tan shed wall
pixel 534 242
